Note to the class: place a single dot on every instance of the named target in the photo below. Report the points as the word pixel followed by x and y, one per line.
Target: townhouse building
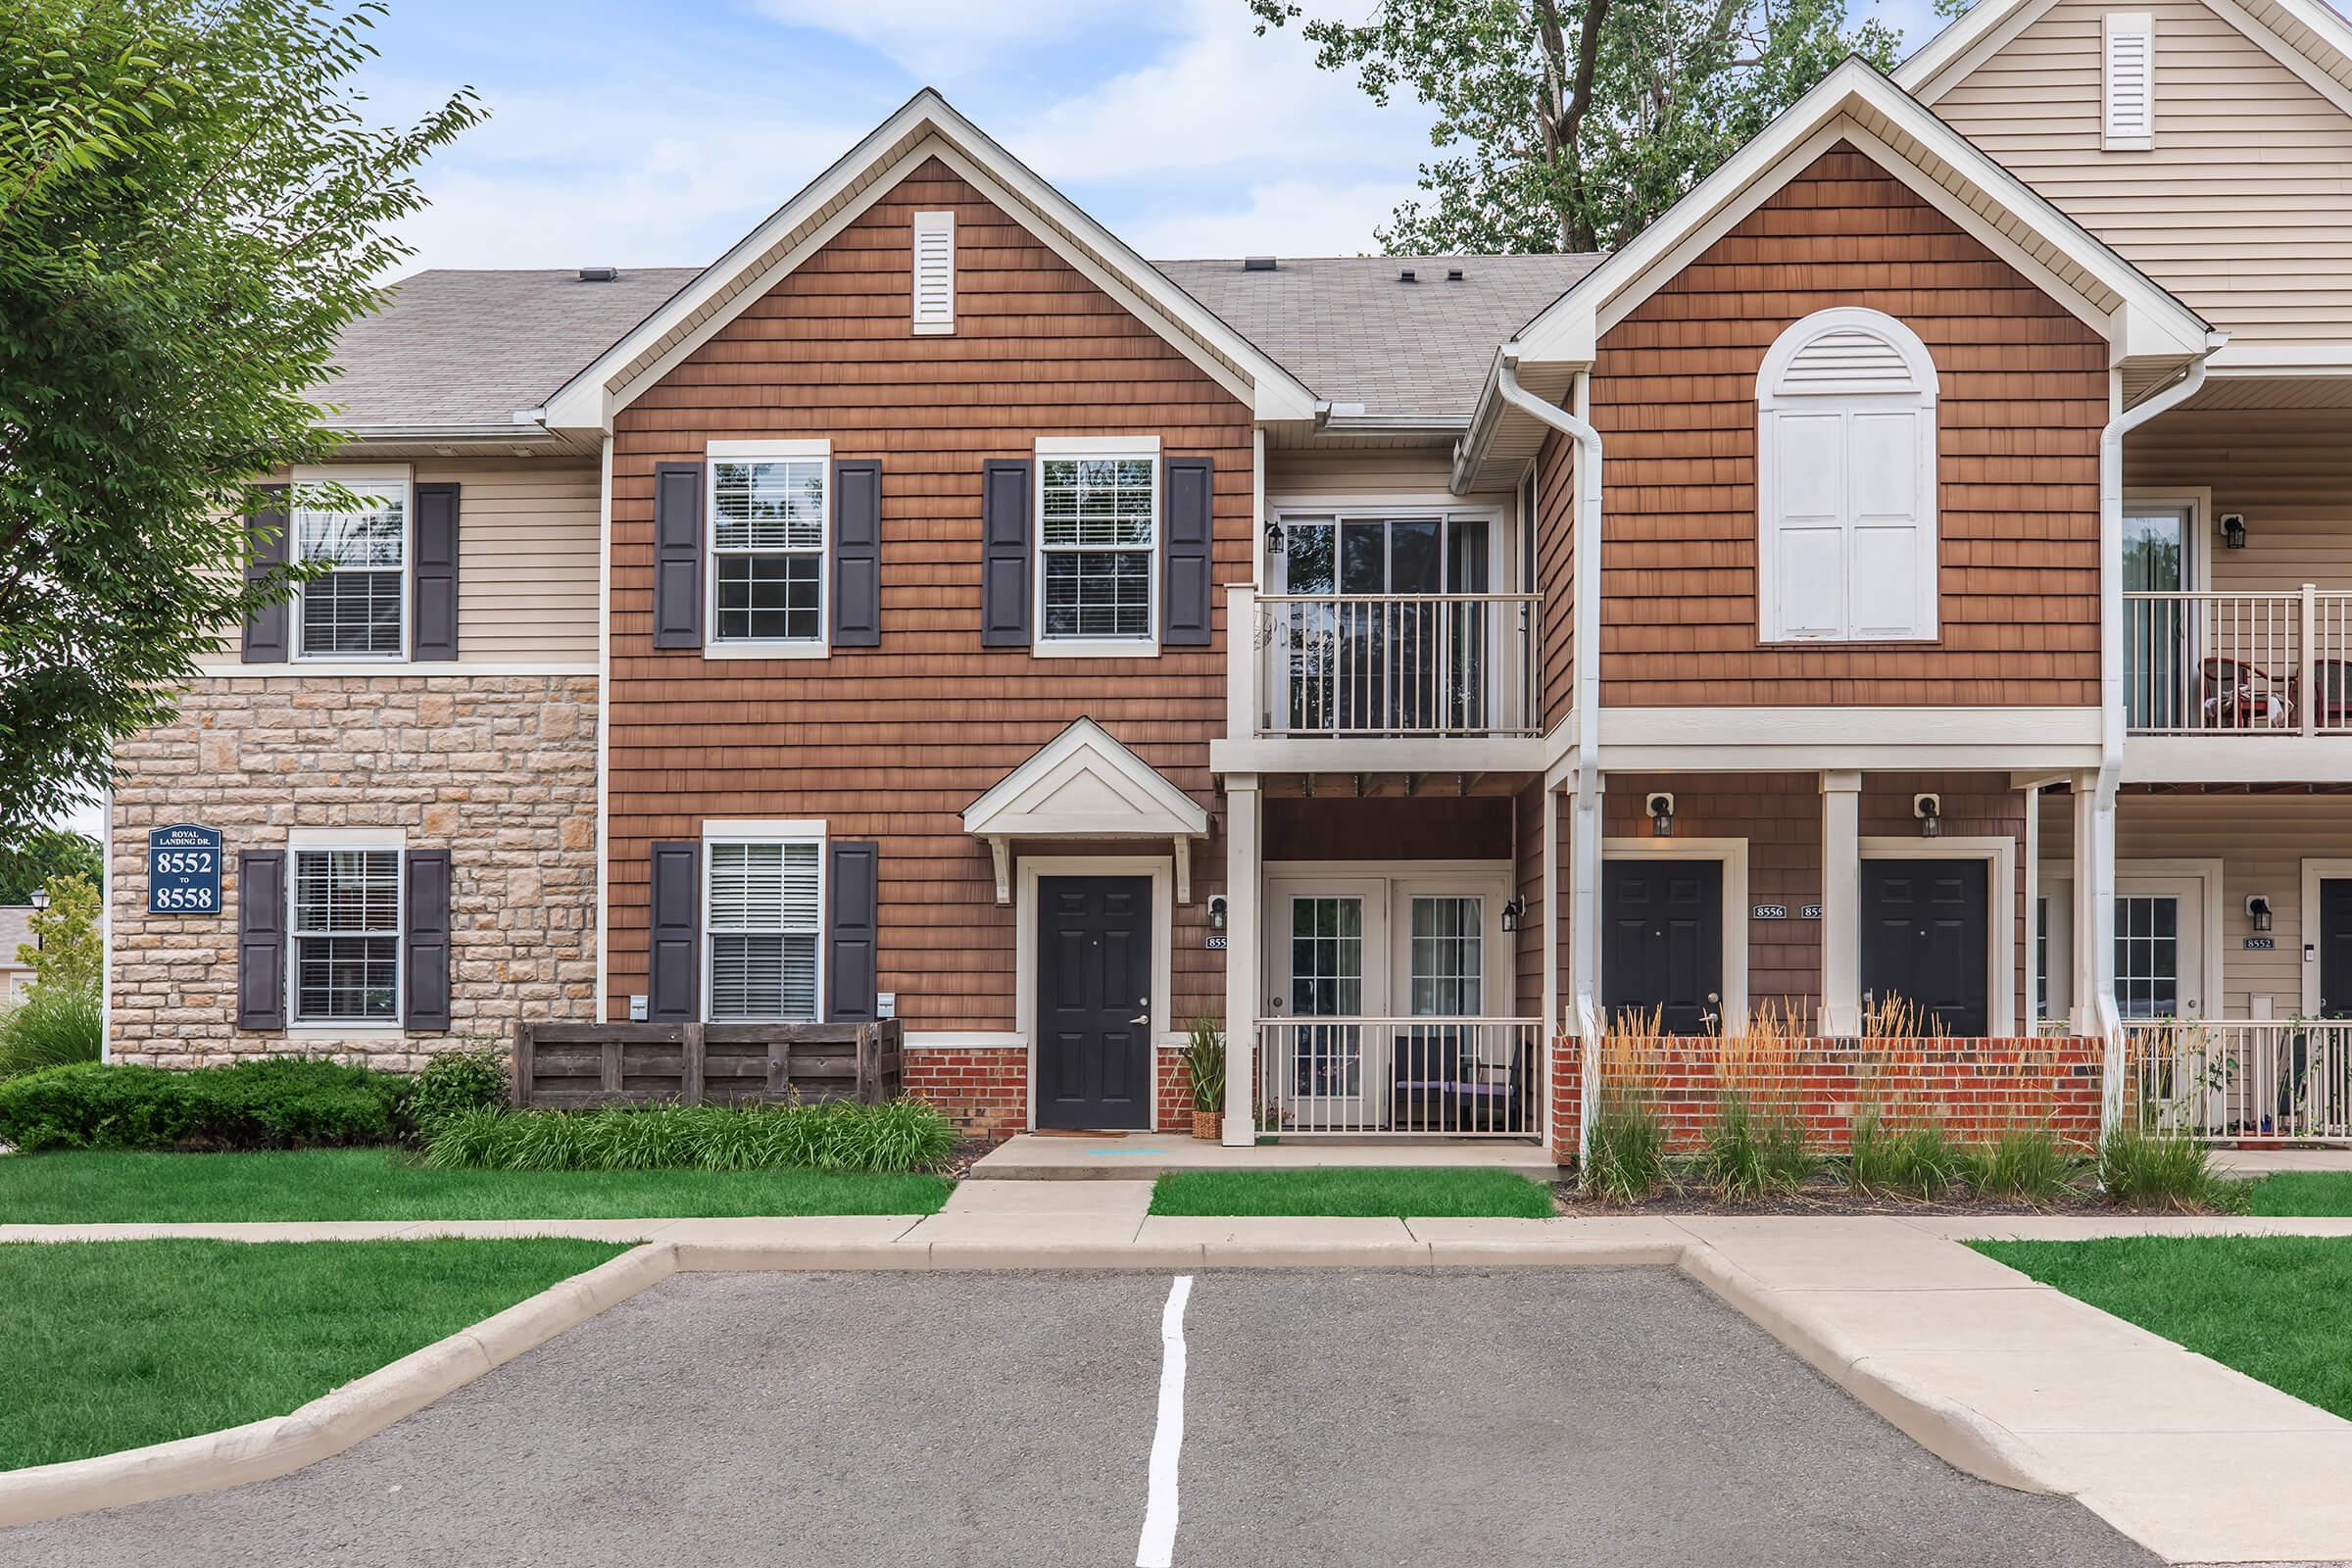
pixel 1909 569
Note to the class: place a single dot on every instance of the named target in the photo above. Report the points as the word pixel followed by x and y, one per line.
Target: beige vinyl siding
pixel 526 563
pixel 1305 481
pixel 2289 472
pixel 2261 841
pixel 2244 207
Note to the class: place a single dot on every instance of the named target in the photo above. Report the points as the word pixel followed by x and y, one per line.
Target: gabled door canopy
pixel 1083 784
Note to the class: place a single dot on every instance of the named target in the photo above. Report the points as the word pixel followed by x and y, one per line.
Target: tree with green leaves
pixel 28 861
pixel 193 204
pixel 65 952
pixel 1569 125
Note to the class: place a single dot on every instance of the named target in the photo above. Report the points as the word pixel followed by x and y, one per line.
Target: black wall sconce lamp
pixel 2257 911
pixel 1660 807
pixel 1513 912
pixel 2233 530
pixel 1217 913
pixel 1928 809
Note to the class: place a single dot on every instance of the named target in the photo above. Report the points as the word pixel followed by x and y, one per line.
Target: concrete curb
pixel 335 1420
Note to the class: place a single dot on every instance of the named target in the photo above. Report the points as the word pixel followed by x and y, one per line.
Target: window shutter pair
pixel 263 939
pixel 433 557
pixel 856 567
pixel 1187 531
pixel 851 903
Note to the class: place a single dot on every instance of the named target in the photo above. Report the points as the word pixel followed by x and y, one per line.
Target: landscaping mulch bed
pixel 1820 1199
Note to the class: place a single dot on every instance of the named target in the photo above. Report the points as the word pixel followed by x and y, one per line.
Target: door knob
pixel 1140 1019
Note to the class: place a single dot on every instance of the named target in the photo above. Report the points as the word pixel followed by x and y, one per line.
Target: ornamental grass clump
pixel 898 1136
pixel 1625 1148
pixel 1756 1147
pixel 2027 1164
pixel 53 1025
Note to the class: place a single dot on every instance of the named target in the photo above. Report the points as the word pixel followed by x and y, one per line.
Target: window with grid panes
pixel 1448 957
pixel 767 550
pixel 346 936
pixel 764 923
pixel 354 609
pixel 1098 524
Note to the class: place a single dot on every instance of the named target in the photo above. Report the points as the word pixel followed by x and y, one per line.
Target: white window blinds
pixel 765 916
pixel 2130 97
pixel 935 272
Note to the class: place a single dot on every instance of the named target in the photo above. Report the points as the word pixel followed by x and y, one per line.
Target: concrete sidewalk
pixel 1145 1156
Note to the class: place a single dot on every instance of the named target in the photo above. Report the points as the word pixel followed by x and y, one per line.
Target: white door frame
pixel 2057 890
pixel 1732 854
pixel 2000 922
pixel 1161 869
pixel 2315 871
pixel 2207 873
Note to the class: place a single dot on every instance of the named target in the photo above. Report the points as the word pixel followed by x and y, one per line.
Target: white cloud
pixel 1287 217
pixel 945 40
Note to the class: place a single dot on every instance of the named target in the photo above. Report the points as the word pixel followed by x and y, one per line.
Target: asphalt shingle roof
pixel 468 348
pixel 460 348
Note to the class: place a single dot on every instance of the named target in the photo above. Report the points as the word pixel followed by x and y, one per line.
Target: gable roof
pixel 1083 783
pixel 1414 355
pixel 2310 37
pixel 925 126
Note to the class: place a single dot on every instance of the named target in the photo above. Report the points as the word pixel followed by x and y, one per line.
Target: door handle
pixel 1143 1019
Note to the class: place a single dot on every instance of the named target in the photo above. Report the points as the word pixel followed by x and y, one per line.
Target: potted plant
pixel 1204 1065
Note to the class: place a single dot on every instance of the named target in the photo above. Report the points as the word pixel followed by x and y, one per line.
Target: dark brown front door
pixel 1094 1001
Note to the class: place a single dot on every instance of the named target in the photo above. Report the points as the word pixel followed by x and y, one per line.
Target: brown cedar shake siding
pixel 2024 399
pixel 892 743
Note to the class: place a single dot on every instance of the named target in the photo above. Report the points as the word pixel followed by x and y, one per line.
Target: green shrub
pixel 52 1026
pixel 1625 1155
pixel 454 1081
pixel 901 1135
pixel 1920 1161
pixel 1204 1063
pixel 2025 1163
pixel 1754 1155
pixel 275 1103
pixel 2165 1168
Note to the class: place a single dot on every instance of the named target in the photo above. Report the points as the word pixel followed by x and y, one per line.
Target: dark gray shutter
pixel 436 634
pixel 262 939
pixel 1004 552
pixel 425 940
pixel 674 984
pixel 858 552
pixel 852 896
pixel 677 554
pixel 268 631
pixel 1187 503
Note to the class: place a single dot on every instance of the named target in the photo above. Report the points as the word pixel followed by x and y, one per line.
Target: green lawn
pixel 2302 1192
pixel 113 1345
pixel 1411 1192
pixel 91 1187
pixel 2272 1307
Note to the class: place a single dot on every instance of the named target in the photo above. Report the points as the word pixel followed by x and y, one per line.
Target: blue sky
pixel 655 134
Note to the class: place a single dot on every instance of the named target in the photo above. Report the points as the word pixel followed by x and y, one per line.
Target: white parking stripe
pixel 1157 1546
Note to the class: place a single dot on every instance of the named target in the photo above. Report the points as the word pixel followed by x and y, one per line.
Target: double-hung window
pixel 357 607
pixel 1097 542
pixel 768 507
pixel 346 934
pixel 765 904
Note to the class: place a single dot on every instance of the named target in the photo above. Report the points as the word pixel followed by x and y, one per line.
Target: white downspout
pixel 2094 921
pixel 1584 929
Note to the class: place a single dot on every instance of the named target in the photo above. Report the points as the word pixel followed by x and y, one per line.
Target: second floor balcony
pixel 2228 663
pixel 1397 667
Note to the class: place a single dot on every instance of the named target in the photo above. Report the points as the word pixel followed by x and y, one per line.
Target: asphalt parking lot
pixel 1590 1416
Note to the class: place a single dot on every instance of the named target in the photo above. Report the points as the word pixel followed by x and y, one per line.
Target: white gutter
pixel 1584 944
pixel 2094 906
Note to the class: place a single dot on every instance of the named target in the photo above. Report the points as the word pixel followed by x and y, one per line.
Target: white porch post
pixel 1584 947
pixel 1842 902
pixel 2094 904
pixel 1243 854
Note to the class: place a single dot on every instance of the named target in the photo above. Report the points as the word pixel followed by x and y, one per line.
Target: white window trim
pixel 1771 402
pixel 2001 915
pixel 785 831
pixel 311 840
pixel 2142 23
pixel 1092 446
pixel 356 480
pixel 714 646
pixel 936 223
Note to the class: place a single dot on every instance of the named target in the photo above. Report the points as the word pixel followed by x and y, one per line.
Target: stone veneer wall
pixel 500 770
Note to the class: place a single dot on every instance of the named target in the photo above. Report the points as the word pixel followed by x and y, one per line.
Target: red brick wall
pixel 985 1090
pixel 1175 1095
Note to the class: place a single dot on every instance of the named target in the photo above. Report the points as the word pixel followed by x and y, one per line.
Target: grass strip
pixel 2302 1193
pixel 1408 1193
pixel 116 1345
pixel 95 1187
pixel 2271 1307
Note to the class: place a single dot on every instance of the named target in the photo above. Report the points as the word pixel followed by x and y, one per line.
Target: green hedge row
pixel 900 1136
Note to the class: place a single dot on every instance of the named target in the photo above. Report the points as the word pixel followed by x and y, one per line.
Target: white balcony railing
pixel 1460 1077
pixel 1397 665
pixel 2274 1082
pixel 2232 664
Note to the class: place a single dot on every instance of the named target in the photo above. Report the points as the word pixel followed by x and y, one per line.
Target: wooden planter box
pixel 571 1067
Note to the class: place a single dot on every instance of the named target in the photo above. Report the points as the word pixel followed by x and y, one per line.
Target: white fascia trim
pixel 799 447
pixel 586 401
pixel 2321 21
pixel 346 837
pixel 2151 321
pixel 2280 359
pixel 1978 34
pixel 751 830
pixel 1815 739
pixel 1098 446
pixel 2255 759
pixel 1184 814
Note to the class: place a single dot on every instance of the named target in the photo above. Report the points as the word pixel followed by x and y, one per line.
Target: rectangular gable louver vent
pixel 935 272
pixel 2130 122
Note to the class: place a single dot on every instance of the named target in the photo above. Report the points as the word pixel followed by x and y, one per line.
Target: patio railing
pixel 1397 665
pixel 2279 1081
pixel 2238 663
pixel 1455 1077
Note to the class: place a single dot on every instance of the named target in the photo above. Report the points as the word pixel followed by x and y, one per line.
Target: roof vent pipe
pixel 599 274
pixel 1258 264
pixel 1407 277
pixel 1454 274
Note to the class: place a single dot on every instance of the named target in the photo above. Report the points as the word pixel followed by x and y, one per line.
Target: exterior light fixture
pixel 1512 912
pixel 40 898
pixel 2233 530
pixel 1660 807
pixel 1217 913
pixel 1928 809
pixel 2257 911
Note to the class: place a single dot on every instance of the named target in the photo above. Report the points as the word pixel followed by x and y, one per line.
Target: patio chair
pixel 1425 1073
pixel 2242 695
pixel 2331 694
pixel 1488 1107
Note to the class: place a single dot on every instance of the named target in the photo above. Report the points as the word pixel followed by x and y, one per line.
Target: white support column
pixel 2031 1011
pixel 1584 946
pixel 2094 904
pixel 1242 857
pixel 1842 902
